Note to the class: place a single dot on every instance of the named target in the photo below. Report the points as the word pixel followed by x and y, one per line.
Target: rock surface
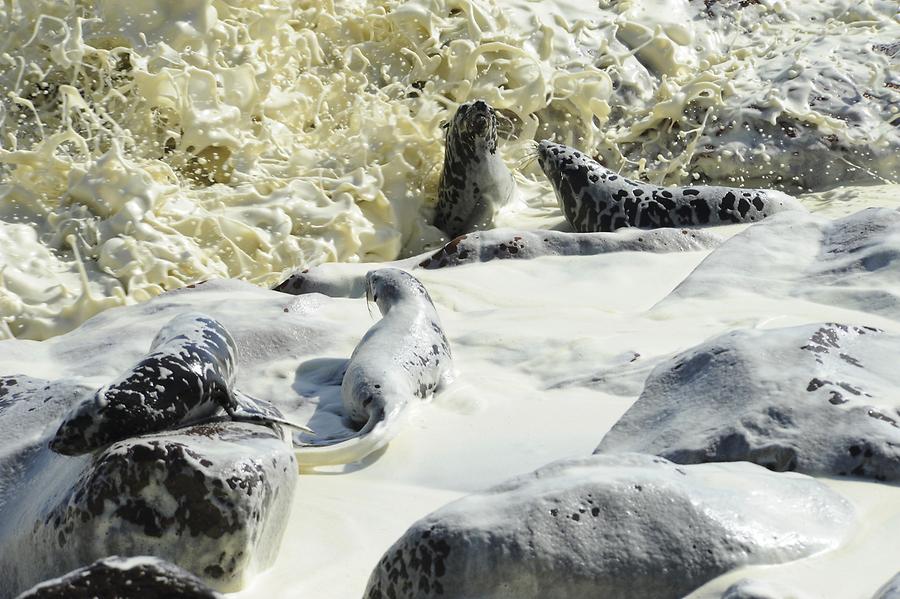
pixel 850 262
pixel 622 526
pixel 891 590
pixel 212 498
pixel 819 399
pixel 483 246
pixel 124 578
pixel 758 589
pixel 348 280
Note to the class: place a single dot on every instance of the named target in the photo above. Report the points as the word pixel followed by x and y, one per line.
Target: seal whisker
pixel 369 301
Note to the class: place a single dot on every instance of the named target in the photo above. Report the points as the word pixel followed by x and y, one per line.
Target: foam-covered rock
pixel 850 262
pixel 483 246
pixel 891 589
pixel 348 280
pixel 123 578
pixel 819 399
pixel 622 526
pixel 212 498
pixel 759 589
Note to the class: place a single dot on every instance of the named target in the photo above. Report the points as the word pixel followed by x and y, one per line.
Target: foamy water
pixel 146 145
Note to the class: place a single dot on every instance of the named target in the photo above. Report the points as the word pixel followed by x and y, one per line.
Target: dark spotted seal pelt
pixel 594 198
pixel 475 182
pixel 403 356
pixel 188 376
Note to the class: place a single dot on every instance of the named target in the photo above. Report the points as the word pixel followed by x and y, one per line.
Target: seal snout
pixel 545 155
pixel 479 114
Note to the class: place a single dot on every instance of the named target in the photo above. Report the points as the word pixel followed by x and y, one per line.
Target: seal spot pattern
pixel 594 199
pixel 475 182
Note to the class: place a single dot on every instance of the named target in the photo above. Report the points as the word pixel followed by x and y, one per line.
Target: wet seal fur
pixel 403 356
pixel 594 198
pixel 475 183
pixel 187 377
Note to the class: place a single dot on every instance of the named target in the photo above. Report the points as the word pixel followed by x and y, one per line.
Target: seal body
pixel 594 198
pixel 475 183
pixel 404 356
pixel 188 376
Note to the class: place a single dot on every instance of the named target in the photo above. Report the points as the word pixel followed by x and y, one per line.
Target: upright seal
pixel 403 356
pixel 475 183
pixel 594 198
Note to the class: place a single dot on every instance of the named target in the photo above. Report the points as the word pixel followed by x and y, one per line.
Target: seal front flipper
pixel 249 409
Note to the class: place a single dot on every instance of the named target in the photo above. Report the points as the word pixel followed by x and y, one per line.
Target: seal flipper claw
pixel 249 409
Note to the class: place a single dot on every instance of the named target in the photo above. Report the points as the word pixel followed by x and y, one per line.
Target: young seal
pixel 475 182
pixel 187 376
pixel 594 198
pixel 404 355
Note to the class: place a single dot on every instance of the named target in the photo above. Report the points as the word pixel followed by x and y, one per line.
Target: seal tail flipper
pixel 376 434
pixel 250 409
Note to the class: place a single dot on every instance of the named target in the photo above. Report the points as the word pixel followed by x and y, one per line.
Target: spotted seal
pixel 594 198
pixel 403 356
pixel 475 183
pixel 188 376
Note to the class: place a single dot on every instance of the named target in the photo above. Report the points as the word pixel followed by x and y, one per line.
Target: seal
pixel 475 183
pixel 594 198
pixel 403 356
pixel 188 376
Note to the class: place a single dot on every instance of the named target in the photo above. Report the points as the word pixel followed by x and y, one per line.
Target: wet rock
pixel 819 399
pixel 500 244
pixel 212 498
pixel 850 262
pixel 124 578
pixel 348 280
pixel 758 589
pixel 891 590
pixel 624 526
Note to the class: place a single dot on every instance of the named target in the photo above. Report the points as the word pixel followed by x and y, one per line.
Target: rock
pixel 483 246
pixel 820 399
pixel 348 280
pixel 621 526
pixel 891 590
pixel 850 262
pixel 758 589
pixel 212 498
pixel 123 578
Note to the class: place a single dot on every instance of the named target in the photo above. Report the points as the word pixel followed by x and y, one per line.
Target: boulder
pixel 212 498
pixel 891 589
pixel 624 526
pixel 819 399
pixel 124 578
